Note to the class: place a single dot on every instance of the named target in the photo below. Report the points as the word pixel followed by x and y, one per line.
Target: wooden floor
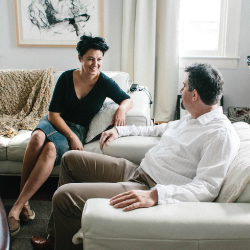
pixel 10 185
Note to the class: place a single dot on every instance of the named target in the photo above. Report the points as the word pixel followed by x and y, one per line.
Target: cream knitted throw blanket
pixel 24 98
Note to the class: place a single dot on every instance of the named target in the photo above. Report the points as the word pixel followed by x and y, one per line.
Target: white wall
pixel 12 56
pixel 237 82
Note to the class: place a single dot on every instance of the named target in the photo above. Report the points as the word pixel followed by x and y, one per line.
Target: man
pixel 188 165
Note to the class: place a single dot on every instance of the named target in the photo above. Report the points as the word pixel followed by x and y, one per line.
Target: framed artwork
pixel 57 23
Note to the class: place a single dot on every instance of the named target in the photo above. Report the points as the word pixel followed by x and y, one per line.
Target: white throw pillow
pixel 101 120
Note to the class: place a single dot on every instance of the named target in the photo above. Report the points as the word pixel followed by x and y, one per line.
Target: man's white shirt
pixel 192 158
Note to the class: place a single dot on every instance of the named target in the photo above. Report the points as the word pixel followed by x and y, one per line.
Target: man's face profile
pixel 185 93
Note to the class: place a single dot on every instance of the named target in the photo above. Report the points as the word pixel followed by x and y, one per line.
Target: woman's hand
pixel 75 143
pixel 56 120
pixel 120 114
pixel 119 117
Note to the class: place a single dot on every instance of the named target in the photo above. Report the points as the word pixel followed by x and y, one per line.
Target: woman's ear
pixel 79 58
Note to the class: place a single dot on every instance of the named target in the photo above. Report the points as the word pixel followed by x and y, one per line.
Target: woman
pixel 78 96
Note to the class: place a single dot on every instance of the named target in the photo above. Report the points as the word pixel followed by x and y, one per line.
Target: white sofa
pixel 218 225
pixel 12 150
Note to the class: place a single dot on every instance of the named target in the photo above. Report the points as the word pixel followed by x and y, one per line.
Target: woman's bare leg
pixel 31 155
pixel 38 175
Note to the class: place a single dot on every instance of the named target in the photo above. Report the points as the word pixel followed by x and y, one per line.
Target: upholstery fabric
pixel 101 120
pixel 185 225
pixel 238 174
pixel 132 148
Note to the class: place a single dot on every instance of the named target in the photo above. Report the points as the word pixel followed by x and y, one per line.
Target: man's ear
pixel 196 95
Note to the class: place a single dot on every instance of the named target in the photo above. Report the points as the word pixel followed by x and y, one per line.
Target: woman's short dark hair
pixel 90 42
pixel 207 80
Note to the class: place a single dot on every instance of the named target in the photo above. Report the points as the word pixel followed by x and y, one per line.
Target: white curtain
pixel 150 51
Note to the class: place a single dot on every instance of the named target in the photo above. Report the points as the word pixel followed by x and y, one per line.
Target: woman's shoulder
pixel 68 72
pixel 67 75
pixel 66 78
pixel 106 79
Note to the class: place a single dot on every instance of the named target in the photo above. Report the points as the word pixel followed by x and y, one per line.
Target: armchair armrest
pixel 139 115
pixel 132 148
pixel 187 225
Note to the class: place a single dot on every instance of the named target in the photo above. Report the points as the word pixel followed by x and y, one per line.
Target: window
pixel 209 32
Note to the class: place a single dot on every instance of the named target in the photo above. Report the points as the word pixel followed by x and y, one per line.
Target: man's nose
pixel 181 90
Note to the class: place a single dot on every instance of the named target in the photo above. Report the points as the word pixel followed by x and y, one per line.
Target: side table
pixel 4 229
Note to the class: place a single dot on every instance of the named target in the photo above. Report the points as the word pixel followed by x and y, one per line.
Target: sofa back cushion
pixel 236 186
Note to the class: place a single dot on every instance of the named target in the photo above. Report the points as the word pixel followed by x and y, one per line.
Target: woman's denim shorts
pixel 60 141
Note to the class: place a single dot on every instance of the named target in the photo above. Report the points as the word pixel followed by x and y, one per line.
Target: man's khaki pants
pixel 83 176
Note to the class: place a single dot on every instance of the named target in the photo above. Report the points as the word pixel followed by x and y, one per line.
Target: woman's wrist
pixel 122 108
pixel 71 136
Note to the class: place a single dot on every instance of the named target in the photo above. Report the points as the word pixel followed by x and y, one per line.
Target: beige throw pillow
pixel 101 120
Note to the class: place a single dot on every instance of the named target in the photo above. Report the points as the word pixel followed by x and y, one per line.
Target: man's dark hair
pixel 207 80
pixel 89 42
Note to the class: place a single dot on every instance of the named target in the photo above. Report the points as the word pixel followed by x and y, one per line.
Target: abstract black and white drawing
pixel 57 22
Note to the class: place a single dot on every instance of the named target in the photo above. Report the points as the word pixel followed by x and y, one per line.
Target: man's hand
pixel 135 199
pixel 108 136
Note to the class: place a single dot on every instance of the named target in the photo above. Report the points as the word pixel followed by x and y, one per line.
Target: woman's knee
pixel 37 138
pixel 49 149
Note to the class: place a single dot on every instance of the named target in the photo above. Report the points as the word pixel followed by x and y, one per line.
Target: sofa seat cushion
pixel 17 145
pixel 175 226
pixel 3 147
pixel 93 147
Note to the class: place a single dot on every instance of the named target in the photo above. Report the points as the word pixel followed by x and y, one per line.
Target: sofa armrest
pixel 139 115
pixel 174 226
pixel 132 148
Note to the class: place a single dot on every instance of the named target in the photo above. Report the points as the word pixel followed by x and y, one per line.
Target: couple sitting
pixel 189 164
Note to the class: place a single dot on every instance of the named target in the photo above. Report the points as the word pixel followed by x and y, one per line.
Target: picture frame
pixel 55 23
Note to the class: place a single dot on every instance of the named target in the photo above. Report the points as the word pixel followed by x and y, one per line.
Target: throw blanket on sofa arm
pixel 24 98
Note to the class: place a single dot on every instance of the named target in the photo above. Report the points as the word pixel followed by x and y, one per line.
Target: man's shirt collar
pixel 206 118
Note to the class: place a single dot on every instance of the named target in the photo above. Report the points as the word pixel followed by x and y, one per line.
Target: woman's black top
pixel 65 101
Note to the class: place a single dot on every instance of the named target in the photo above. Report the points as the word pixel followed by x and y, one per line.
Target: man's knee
pixel 60 196
pixel 69 156
pixel 67 201
pixel 72 157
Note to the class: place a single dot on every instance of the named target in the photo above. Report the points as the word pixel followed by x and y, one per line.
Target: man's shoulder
pixel 224 128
